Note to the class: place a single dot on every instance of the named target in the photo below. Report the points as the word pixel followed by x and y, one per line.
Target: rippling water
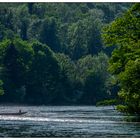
pixel 66 121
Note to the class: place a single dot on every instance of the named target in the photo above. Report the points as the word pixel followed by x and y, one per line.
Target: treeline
pixel 53 53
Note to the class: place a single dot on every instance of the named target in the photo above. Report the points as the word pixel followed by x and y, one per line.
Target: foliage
pixel 15 62
pixel 53 53
pixel 43 81
pixel 122 108
pixel 48 34
pixel 124 33
pixel 107 102
pixel 1 88
pixel 92 73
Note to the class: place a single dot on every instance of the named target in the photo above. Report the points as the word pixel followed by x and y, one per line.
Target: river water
pixel 66 121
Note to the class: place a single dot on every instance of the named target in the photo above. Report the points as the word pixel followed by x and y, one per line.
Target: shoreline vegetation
pixel 129 117
pixel 107 102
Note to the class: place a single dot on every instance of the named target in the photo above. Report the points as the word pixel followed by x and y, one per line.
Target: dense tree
pixel 124 63
pixel 94 43
pixel 72 83
pixel 66 65
pixel 94 88
pixel 46 83
pixel 77 38
pixel 15 60
pixel 92 72
pixel 48 34
pixel 130 81
pixel 84 37
pixel 60 59
pixel 43 78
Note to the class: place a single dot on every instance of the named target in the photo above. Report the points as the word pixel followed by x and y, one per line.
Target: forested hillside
pixel 53 53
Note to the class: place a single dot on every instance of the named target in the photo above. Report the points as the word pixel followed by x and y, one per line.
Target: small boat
pixel 18 113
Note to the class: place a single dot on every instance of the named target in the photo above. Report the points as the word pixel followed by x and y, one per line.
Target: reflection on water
pixel 66 121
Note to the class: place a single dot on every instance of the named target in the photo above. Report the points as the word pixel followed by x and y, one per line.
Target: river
pixel 66 121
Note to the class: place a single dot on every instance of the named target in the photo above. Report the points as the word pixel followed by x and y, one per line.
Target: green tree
pixel 92 73
pixel 124 33
pixel 15 60
pixel 44 85
pixel 66 65
pixel 48 34
pixel 71 84
pixel 84 37
pixel 94 88
pixel 77 39
pixel 1 88
pixel 23 22
pixel 130 82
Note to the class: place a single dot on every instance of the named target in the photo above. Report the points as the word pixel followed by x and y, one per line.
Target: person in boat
pixel 19 110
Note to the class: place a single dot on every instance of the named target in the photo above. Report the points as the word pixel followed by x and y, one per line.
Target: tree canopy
pixel 124 33
pixel 53 53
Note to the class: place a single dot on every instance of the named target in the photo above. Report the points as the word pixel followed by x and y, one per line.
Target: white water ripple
pixel 42 119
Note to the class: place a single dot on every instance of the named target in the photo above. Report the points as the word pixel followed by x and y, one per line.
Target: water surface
pixel 66 121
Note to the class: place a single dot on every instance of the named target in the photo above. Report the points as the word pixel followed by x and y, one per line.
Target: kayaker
pixel 20 111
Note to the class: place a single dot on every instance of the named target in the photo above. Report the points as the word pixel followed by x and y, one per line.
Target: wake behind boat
pixel 16 113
